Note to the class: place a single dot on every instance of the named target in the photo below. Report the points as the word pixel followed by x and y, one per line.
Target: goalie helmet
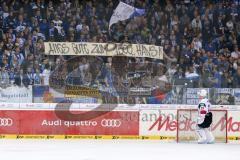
pixel 202 93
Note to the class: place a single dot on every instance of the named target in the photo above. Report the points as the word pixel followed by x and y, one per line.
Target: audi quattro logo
pixel 4 122
pixel 114 123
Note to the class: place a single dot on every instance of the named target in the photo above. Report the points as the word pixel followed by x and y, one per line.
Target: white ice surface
pixel 114 150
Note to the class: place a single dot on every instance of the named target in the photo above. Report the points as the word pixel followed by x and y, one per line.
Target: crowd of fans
pixel 201 41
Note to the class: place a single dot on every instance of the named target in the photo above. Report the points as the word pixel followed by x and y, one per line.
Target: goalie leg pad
pixel 201 135
pixel 209 136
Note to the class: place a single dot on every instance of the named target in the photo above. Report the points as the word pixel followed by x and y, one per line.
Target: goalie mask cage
pixel 187 121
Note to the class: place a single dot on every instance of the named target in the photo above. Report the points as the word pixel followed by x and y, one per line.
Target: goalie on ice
pixel 204 119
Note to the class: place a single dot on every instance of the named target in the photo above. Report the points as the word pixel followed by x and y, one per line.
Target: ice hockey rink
pixel 114 150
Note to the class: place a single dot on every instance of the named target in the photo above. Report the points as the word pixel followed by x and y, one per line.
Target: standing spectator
pixel 197 24
pixel 217 78
pixel 197 44
pixel 18 77
pixel 18 55
pixel 26 79
pixel 236 53
pixel 21 24
pixel 45 75
pixel 4 77
pixel 236 79
pixel 37 78
pixel 12 76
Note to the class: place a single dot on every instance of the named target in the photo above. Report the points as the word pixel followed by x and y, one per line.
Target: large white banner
pixel 15 94
pixel 103 49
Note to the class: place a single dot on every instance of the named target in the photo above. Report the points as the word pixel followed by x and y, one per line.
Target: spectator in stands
pixel 18 77
pixel 27 78
pixel 12 76
pixel 203 38
pixel 4 77
pixel 236 78
pixel 236 53
pixel 191 73
pixel 45 75
pixel 37 78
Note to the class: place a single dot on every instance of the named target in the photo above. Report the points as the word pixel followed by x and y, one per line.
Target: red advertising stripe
pixel 46 122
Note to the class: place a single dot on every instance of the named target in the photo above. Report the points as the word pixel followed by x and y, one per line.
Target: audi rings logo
pixel 6 122
pixel 114 123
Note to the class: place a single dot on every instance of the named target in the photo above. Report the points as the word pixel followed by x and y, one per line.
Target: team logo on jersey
pixel 201 105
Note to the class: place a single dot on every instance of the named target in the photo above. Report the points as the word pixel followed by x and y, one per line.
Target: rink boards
pixel 143 122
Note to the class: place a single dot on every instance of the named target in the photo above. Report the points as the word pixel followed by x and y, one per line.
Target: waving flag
pixel 123 12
